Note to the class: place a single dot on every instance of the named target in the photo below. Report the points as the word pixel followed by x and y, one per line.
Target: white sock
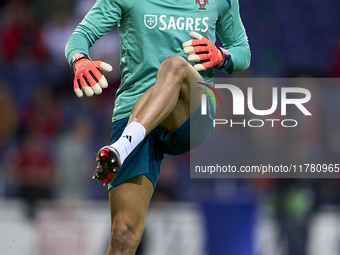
pixel 133 134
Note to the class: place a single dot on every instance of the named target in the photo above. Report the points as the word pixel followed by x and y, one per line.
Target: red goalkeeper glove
pixel 200 49
pixel 86 75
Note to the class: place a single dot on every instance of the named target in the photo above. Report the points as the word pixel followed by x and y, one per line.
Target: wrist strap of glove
pixel 78 56
pixel 226 58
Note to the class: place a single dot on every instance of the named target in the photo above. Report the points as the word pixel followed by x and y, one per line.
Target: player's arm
pixel 98 21
pixel 233 35
pixel 234 56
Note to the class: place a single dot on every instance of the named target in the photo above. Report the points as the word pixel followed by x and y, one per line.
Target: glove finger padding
pixel 105 67
pixel 77 88
pixel 102 66
pixel 195 35
pixel 83 84
pixel 187 48
pixel 88 78
pixel 200 67
pixel 200 57
pixel 201 49
pixel 194 58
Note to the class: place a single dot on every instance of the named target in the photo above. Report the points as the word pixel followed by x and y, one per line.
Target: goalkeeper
pixel 164 44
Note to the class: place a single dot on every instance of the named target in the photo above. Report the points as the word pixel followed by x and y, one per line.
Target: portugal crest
pixel 150 21
pixel 202 4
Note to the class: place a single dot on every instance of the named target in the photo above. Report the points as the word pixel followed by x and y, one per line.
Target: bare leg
pixel 129 202
pixel 167 102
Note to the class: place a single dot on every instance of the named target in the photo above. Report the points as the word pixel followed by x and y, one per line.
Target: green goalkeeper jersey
pixel 151 30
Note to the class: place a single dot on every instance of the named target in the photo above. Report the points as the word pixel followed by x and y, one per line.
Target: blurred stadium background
pixel 48 203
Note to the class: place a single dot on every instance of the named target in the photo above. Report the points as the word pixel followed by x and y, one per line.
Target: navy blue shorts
pixel 146 158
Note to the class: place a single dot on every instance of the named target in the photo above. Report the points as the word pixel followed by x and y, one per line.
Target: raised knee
pixel 175 64
pixel 124 236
